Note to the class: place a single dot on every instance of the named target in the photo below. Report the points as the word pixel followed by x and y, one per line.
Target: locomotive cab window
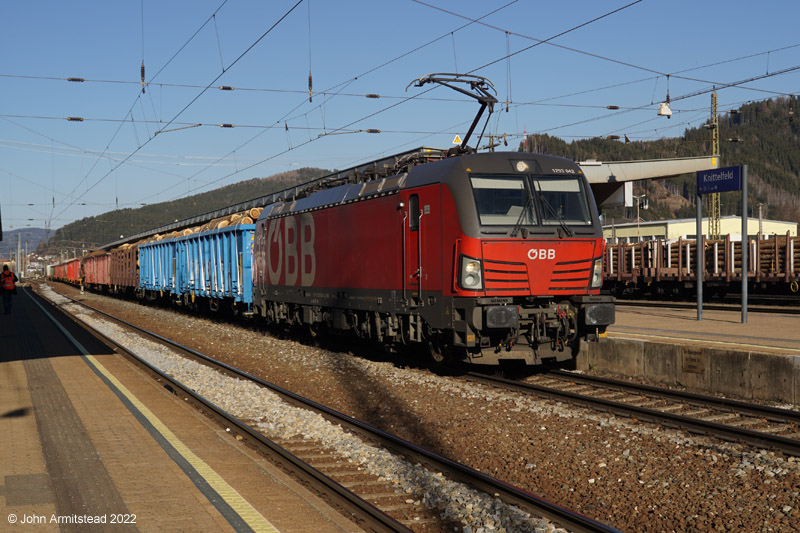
pixel 502 200
pixel 562 200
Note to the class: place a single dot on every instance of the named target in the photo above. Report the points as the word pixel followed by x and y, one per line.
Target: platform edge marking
pixel 236 501
pixel 249 516
pixel 623 334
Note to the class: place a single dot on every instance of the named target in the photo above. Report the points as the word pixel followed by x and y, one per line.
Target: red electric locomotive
pixel 477 257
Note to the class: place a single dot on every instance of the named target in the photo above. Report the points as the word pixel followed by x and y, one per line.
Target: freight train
pixel 668 268
pixel 478 257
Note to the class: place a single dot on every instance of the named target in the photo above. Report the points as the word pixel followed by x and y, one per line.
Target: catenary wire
pixel 426 91
pixel 281 19
pixel 344 84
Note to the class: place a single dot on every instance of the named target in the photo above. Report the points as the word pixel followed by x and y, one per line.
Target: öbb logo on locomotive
pixel 541 254
pixel 290 250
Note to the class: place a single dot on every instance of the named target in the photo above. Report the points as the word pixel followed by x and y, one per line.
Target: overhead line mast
pixel 715 222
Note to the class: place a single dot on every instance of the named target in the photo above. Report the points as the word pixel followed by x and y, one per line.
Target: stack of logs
pixel 245 217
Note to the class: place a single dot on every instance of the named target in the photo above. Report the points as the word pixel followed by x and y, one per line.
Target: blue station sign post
pixel 714 181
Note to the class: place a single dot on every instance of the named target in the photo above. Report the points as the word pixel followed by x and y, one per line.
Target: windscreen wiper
pixel 525 209
pixel 549 208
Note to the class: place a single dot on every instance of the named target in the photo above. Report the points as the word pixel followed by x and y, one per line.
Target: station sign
pixel 719 180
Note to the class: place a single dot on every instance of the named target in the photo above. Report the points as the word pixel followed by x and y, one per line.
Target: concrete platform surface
pixel 768 332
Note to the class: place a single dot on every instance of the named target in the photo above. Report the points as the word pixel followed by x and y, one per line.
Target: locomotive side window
pixel 413 213
pixel 502 200
pixel 563 200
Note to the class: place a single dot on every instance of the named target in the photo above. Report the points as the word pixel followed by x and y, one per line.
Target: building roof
pixel 691 220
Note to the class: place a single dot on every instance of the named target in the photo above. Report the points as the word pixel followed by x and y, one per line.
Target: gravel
pixel 633 476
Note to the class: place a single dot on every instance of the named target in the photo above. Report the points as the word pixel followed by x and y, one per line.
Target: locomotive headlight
pixel 521 166
pixel 597 274
pixel 471 275
pixel 472 267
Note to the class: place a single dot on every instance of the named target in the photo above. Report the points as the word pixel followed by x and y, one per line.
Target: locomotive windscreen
pixel 506 200
pixel 565 201
pixel 501 199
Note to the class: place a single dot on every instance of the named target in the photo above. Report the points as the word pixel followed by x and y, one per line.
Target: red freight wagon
pixel 68 271
pixel 480 257
pixel 96 269
pixel 124 268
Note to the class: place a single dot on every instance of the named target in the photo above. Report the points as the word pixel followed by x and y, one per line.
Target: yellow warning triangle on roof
pixel 457 140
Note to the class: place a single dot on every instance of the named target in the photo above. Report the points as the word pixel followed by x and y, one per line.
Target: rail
pixel 708 424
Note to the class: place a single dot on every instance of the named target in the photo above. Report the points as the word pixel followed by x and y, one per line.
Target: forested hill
pixel 767 140
pixel 95 231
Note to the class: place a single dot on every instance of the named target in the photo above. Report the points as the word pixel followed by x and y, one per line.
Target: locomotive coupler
pixel 509 342
pixel 562 330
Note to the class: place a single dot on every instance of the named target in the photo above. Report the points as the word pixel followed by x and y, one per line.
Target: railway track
pixel 731 420
pixel 368 500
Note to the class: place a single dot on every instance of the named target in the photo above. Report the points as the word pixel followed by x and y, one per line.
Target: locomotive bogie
pixel 515 329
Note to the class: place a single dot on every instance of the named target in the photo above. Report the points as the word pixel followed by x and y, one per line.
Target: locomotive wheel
pixel 437 352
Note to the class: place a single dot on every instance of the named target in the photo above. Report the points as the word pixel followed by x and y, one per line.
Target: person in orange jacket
pixel 8 287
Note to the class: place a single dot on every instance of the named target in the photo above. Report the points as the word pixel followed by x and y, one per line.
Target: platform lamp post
pixel 643 205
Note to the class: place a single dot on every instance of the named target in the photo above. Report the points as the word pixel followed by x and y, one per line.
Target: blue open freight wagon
pixel 214 266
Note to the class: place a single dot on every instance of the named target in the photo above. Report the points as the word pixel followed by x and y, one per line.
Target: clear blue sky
pixel 70 170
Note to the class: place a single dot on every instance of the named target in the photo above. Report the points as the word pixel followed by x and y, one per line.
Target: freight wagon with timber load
pixel 210 267
pixel 96 268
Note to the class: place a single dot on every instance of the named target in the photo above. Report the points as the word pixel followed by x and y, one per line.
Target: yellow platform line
pixel 253 518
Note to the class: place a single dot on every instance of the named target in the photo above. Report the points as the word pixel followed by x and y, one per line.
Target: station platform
pixel 763 332
pixel 758 360
pixel 92 444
